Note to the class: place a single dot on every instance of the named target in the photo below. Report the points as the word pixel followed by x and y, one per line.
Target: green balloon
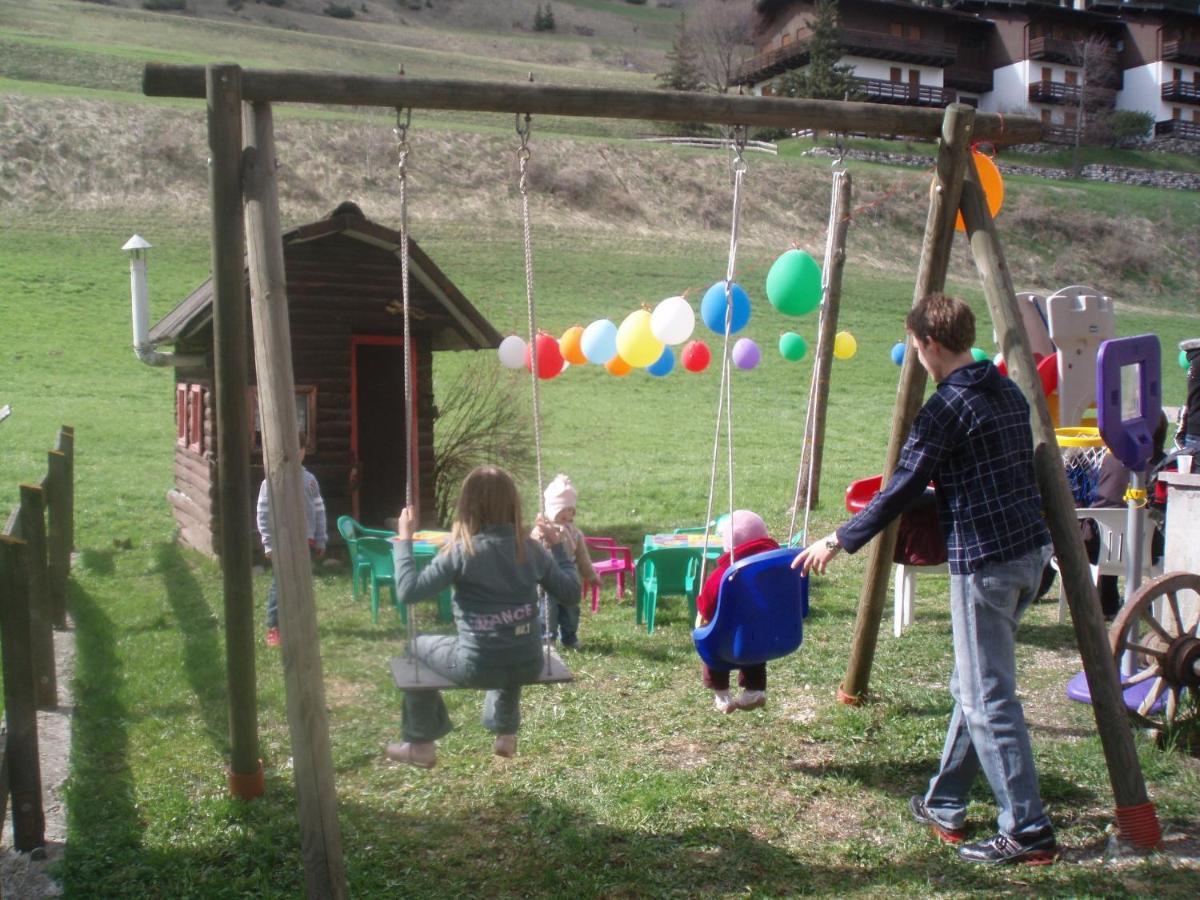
pixel 792 347
pixel 1183 363
pixel 794 283
pixel 978 355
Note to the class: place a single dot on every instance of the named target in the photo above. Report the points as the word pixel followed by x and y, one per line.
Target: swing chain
pixel 738 142
pixel 523 155
pixel 839 143
pixel 401 133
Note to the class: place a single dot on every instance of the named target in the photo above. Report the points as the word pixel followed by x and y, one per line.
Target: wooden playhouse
pixel 347 332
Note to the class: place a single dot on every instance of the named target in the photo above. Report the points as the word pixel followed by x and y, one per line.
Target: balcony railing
pixel 1189 131
pixel 1182 51
pixel 876 90
pixel 1181 91
pixel 1054 92
pixel 1063 50
pixel 977 81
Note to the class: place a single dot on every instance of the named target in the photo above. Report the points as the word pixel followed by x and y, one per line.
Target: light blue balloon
pixel 662 367
pixel 712 308
pixel 599 341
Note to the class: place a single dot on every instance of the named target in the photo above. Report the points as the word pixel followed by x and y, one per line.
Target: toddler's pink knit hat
pixel 741 527
pixel 559 495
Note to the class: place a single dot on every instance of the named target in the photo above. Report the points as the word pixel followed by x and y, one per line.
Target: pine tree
pixel 683 72
pixel 824 78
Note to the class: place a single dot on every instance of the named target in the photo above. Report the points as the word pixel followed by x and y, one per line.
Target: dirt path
pixel 21 875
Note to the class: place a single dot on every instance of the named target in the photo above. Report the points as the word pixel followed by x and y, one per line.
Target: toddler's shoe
pixel 574 645
pixel 751 700
pixel 722 702
pixel 423 755
pixel 505 745
pixel 272 637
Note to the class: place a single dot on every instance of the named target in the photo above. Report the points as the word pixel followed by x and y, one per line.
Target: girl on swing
pixel 495 570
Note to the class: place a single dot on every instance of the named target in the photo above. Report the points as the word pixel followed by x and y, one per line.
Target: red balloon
pixel 696 356
pixel 550 359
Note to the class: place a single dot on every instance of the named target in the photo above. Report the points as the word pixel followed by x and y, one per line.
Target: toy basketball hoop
pixel 1082 451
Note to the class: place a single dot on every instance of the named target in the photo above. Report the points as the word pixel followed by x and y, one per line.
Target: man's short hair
pixel 946 319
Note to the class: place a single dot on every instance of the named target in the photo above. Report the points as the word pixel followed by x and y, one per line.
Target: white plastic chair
pixel 1110 526
pixel 904 589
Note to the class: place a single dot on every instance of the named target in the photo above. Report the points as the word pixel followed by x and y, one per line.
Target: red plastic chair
pixel 620 561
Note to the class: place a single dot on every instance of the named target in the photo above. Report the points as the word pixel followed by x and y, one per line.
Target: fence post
pixel 20 709
pixel 60 532
pixel 33 530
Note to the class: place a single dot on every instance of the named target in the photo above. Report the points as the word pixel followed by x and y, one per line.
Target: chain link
pixel 523 156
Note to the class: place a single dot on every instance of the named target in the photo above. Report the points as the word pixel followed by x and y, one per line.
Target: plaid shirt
pixel 972 439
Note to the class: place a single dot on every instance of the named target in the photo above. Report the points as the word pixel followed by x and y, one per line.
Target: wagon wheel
pixel 1166 647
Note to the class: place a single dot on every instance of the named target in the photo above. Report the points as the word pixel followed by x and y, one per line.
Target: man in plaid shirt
pixel 973 440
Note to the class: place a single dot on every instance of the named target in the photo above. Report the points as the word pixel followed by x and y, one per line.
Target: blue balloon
pixel 712 308
pixel 662 367
pixel 599 341
pixel 898 353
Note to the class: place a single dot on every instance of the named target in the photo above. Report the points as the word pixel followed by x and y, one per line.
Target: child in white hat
pixel 560 499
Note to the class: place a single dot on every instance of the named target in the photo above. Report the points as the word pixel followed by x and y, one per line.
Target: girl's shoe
pixel 722 702
pixel 505 745
pixel 751 700
pixel 420 754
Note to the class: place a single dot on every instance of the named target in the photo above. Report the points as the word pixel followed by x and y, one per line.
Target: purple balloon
pixel 746 354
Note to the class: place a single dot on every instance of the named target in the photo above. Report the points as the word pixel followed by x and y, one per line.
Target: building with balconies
pixel 1160 59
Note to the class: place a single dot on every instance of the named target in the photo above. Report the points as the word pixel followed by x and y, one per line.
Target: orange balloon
pixel 571 345
pixel 992 184
pixel 617 366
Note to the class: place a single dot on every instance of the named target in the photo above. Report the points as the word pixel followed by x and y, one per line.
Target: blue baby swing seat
pixel 760 612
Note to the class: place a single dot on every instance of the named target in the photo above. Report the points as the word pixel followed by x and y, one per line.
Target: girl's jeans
pixel 987 728
pixel 425 716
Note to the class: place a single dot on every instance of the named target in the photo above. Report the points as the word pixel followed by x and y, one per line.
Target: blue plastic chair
pixel 760 612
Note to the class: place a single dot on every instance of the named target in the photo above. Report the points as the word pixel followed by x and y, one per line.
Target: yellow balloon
pixel 636 343
pixel 844 345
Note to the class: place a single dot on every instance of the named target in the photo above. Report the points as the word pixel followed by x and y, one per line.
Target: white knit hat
pixel 559 495
pixel 746 526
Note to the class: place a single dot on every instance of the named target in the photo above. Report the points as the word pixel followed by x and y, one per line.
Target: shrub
pixel 1128 124
pixel 164 5
pixel 543 20
pixel 273 2
pixel 636 2
pixel 337 11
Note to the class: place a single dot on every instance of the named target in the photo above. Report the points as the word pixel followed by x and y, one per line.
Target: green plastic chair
pixel 377 569
pixel 666 570
pixel 349 530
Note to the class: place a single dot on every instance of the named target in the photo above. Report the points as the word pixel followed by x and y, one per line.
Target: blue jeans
pixel 425 715
pixel 273 603
pixel 564 622
pixel 987 728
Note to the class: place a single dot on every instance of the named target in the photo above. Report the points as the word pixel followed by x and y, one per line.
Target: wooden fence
pixel 35 562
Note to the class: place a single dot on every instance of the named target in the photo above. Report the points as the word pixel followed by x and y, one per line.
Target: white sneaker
pixel 722 702
pixel 751 700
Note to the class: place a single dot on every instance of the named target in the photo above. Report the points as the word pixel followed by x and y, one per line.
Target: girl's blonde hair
pixel 488 497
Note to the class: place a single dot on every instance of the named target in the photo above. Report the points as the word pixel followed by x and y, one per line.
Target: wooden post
pixel 1124 770
pixel 931 276
pixel 41 633
pixel 233 441
pixel 20 705
pixel 811 456
pixel 320 836
pixel 58 546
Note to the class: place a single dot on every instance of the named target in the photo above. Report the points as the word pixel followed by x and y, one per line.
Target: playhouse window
pixel 189 417
pixel 306 417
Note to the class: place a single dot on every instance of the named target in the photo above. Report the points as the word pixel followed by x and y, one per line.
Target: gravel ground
pixel 21 874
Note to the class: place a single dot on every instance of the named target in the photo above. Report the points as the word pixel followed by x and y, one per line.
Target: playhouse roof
pixel 462 328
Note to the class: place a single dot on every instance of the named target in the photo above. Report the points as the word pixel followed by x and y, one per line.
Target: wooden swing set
pixel 246 225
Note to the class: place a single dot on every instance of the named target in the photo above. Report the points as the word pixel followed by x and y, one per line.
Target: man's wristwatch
pixel 832 542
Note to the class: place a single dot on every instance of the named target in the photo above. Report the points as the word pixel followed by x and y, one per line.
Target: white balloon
pixel 673 321
pixel 512 352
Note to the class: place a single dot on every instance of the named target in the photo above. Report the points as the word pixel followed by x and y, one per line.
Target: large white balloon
pixel 673 320
pixel 512 352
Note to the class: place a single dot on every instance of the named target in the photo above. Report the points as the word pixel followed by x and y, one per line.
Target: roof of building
pixel 468 329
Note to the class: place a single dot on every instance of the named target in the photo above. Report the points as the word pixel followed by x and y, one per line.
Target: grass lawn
pixel 626 783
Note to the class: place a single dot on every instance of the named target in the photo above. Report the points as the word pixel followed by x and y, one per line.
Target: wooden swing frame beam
pixel 245 213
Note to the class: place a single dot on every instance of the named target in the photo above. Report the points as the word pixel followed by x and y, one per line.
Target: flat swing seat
pixel 423 678
pixel 760 612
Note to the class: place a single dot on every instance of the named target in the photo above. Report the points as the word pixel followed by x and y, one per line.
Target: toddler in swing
pixel 495 570
pixel 560 499
pixel 743 534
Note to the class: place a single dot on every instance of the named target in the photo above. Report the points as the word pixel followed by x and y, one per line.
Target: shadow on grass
pixel 1046 637
pixel 98 561
pixel 522 845
pixel 203 652
pixel 102 813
